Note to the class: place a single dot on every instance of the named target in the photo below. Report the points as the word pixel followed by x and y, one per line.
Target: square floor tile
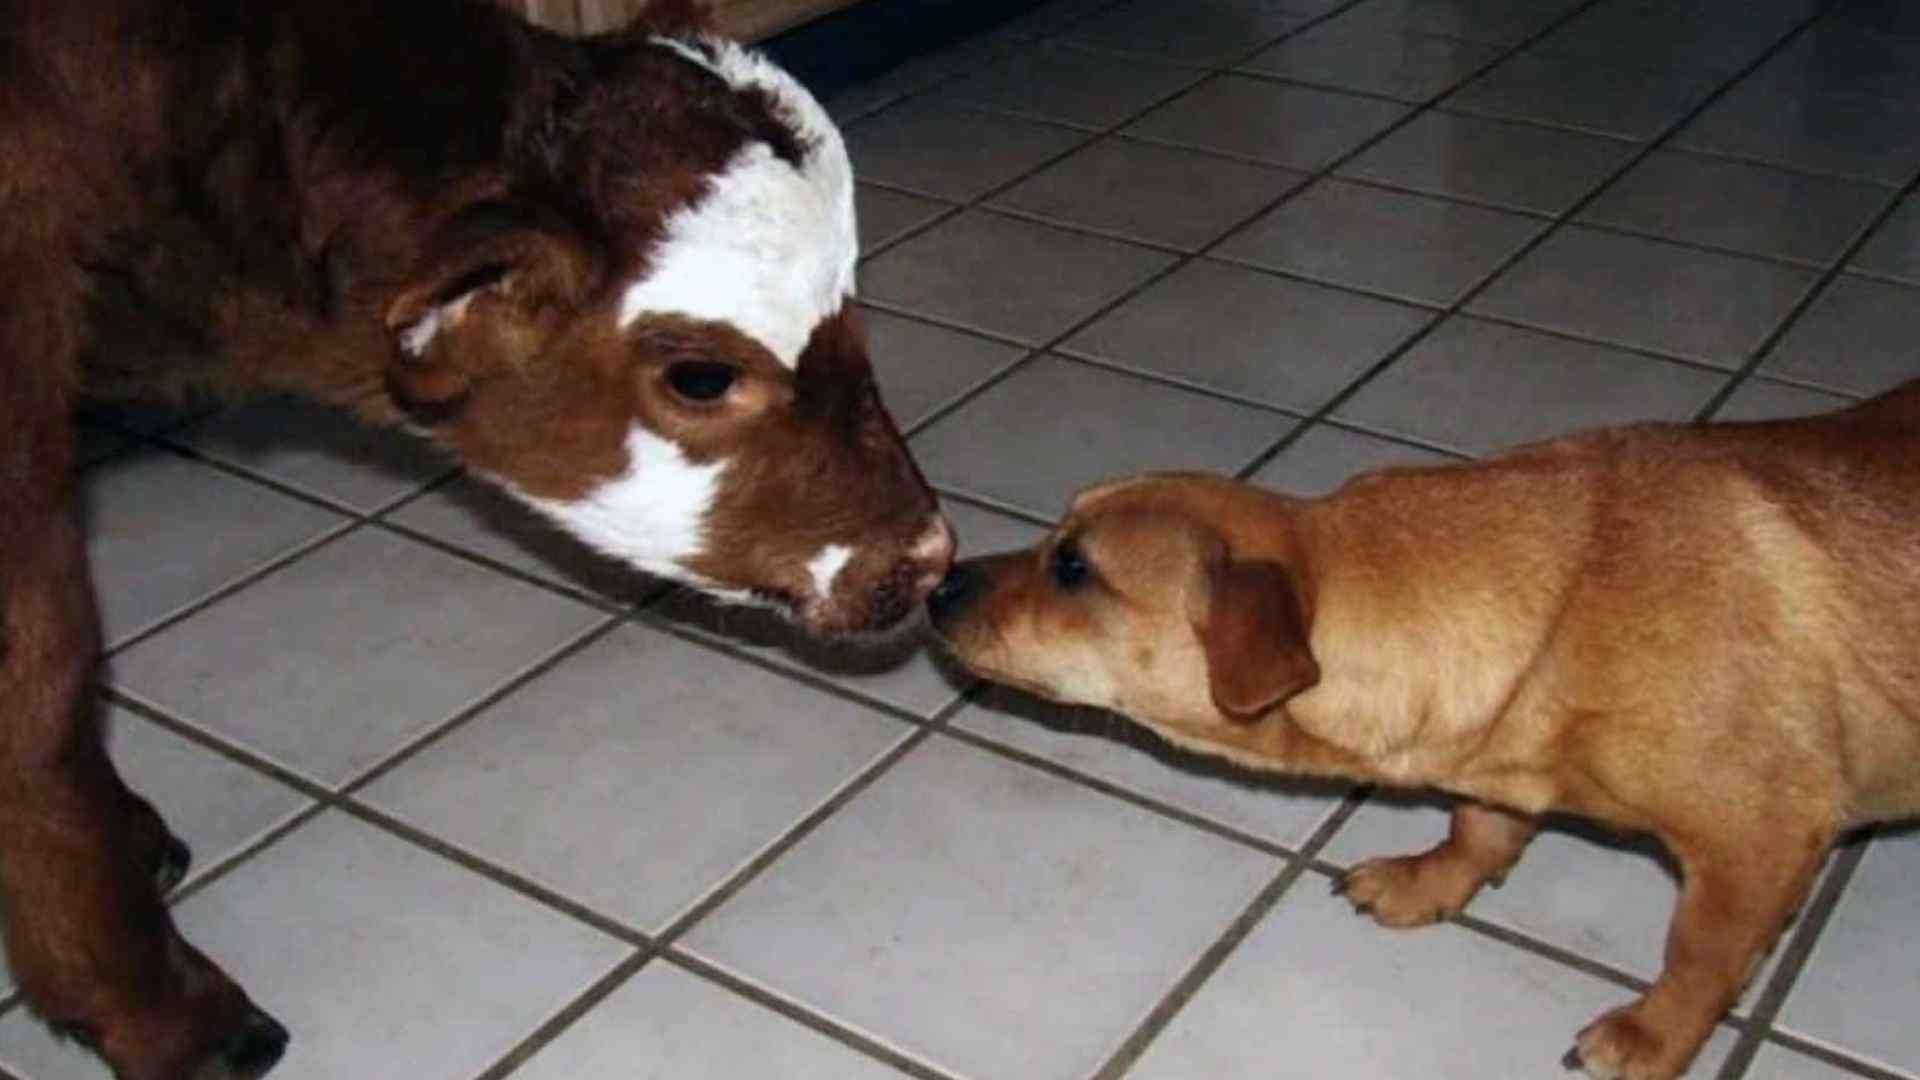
pixel 324 452
pixel 1157 194
pixel 1314 991
pixel 1207 33
pixel 164 532
pixel 1718 36
pixel 1411 67
pixel 1276 123
pixel 1327 456
pixel 330 664
pixel 478 518
pixel 595 779
pixel 1492 161
pixel 1857 993
pixel 1843 134
pixel 1894 250
pixel 1019 279
pixel 1283 342
pixel 949 151
pixel 1077 912
pixel 1281 810
pixel 1742 207
pixel 1599 98
pixel 1764 399
pixel 921 367
pixel 904 672
pixel 1458 388
pixel 383 960
pixel 1424 249
pixel 1857 337
pixel 884 215
pixel 668 1024
pixel 1647 294
pixel 1597 894
pixel 1775 1062
pixel 1069 85
pixel 1055 427
pixel 1835 55
pixel 1496 22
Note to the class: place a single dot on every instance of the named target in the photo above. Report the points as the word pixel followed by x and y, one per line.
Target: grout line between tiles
pixel 802 1015
pixel 1793 960
pixel 1135 1044
pixel 1764 350
pixel 1835 1058
pixel 550 1029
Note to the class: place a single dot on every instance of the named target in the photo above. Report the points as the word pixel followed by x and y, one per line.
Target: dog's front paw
pixel 1411 890
pixel 1622 1046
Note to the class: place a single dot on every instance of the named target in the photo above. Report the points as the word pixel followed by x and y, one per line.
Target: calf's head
pixel 665 360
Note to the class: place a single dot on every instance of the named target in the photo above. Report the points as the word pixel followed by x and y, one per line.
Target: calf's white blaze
pixel 770 248
pixel 825 567
pixel 652 516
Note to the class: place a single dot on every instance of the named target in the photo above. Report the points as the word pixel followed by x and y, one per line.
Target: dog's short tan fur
pixel 1708 633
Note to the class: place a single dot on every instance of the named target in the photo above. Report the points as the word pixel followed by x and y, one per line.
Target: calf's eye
pixel 700 380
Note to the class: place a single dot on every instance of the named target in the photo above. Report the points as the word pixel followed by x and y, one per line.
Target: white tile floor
pixel 469 803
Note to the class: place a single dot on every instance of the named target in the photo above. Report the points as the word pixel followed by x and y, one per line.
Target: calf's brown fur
pixel 1707 633
pixel 426 212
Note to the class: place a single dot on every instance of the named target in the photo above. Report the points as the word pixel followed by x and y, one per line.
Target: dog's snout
pixel 952 593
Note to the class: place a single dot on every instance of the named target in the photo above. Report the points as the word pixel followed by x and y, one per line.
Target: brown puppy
pixel 1709 633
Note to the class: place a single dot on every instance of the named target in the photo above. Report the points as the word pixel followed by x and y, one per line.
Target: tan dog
pixel 1707 633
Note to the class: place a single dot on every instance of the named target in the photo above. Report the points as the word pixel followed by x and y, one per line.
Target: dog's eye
pixel 700 380
pixel 1069 566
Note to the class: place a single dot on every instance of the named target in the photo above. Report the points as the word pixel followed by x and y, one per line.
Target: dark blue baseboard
pixel 857 43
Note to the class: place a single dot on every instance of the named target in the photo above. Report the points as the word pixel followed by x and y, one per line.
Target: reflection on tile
pixel 1843 134
pixel 1202 32
pixel 1605 100
pixel 1894 250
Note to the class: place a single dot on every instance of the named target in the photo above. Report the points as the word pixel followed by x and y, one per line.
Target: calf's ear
pixel 1254 635
pixel 486 290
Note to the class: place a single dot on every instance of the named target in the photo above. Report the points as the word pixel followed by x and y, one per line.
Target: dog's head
pixel 1169 598
pixel 656 345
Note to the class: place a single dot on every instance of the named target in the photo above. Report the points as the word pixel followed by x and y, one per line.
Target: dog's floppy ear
pixel 1255 638
pixel 496 267
pixel 674 18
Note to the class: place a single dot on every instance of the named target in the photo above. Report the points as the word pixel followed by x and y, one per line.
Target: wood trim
pixel 748 20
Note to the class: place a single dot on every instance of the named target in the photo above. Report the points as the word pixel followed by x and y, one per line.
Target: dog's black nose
pixel 952 592
pixel 256 1047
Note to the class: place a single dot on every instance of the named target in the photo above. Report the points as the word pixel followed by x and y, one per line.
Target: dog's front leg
pixel 1737 896
pixel 1482 844
pixel 82 859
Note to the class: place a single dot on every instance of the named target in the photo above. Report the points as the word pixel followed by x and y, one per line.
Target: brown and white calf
pixel 612 275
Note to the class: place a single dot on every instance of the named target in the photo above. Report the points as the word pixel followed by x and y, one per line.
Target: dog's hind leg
pixel 1739 891
pixel 1482 844
pixel 92 946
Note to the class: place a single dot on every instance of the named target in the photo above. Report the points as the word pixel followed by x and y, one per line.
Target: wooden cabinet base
pixel 749 20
